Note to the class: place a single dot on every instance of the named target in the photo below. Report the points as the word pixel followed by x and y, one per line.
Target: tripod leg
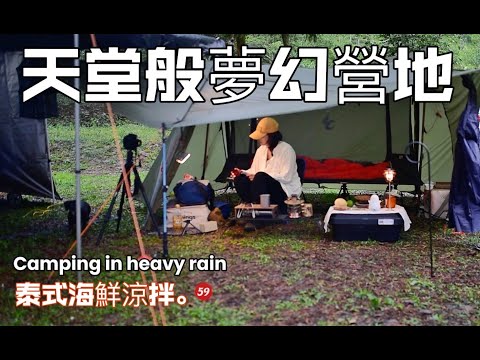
pixel 189 223
pixel 120 208
pixel 150 211
pixel 128 167
pixel 108 214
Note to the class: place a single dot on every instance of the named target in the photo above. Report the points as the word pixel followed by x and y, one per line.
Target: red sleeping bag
pixel 341 169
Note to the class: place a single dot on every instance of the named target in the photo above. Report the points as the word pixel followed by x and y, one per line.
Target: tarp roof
pixel 255 105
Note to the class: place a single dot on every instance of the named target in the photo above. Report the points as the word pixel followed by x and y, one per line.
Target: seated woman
pixel 273 170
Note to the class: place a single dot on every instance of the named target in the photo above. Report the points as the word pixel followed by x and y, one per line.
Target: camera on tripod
pixel 131 142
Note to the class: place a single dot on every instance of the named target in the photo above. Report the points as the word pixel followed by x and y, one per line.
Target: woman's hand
pixel 235 172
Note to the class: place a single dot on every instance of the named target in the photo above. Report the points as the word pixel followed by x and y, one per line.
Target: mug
pixel 307 210
pixel 265 200
pixel 390 200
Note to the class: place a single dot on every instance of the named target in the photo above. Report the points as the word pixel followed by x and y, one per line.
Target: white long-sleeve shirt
pixel 282 166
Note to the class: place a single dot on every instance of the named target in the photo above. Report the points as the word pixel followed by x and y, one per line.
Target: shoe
pixel 249 227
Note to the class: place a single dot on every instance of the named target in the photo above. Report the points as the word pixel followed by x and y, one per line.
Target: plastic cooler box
pixel 352 227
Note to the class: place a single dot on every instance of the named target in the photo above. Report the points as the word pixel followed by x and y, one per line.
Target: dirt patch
pixel 314 280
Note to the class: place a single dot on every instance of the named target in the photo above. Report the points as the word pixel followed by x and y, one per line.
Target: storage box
pixel 439 201
pixel 197 214
pixel 208 226
pixel 352 227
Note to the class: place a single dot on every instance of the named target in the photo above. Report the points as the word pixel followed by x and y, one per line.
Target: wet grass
pixel 285 274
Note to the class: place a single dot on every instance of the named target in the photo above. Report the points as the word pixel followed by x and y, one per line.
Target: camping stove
pixel 294 207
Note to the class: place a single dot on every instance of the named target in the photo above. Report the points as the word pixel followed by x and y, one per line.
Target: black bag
pixel 194 192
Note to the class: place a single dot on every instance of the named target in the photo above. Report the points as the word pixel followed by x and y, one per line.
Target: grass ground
pixel 287 274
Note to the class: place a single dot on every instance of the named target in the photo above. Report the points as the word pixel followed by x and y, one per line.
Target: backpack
pixel 194 192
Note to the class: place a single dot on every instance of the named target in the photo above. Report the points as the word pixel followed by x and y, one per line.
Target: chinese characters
pixel 180 75
pixel 102 295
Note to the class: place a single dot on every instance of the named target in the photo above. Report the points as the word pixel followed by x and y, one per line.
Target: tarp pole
pixel 224 138
pixel 76 41
pixel 421 134
pixel 410 128
pixel 416 132
pixel 49 162
pixel 205 152
pixel 159 183
pixel 253 127
pixel 388 129
pixel 164 192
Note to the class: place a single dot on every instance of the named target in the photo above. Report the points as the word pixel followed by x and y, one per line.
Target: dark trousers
pixel 262 183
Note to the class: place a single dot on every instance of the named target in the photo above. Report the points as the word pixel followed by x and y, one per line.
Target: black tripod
pixel 343 193
pixel 129 165
pixel 188 223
